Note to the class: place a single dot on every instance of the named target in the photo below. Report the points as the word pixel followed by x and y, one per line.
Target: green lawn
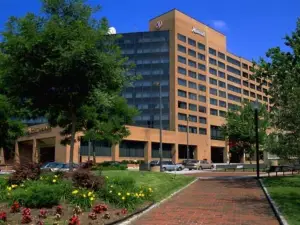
pixel 285 191
pixel 163 184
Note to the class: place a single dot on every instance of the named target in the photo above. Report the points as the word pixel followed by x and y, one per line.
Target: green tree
pixel 282 68
pixel 239 128
pixel 53 62
pixel 10 128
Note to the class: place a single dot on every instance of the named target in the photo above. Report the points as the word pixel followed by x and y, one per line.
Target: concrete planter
pixel 155 169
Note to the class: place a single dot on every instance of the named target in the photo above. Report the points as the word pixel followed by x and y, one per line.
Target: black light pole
pixel 187 139
pixel 160 130
pixel 256 137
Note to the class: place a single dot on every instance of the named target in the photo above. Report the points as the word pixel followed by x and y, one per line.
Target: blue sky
pixel 251 27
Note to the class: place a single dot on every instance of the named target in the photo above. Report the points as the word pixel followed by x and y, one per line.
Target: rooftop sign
pixel 197 31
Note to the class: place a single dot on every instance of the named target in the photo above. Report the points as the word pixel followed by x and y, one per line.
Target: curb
pixel 274 207
pixel 137 215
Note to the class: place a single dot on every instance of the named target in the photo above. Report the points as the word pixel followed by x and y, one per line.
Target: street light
pixel 160 127
pixel 256 105
pixel 187 139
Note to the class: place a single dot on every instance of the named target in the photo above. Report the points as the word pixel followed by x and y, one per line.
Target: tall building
pixel 200 81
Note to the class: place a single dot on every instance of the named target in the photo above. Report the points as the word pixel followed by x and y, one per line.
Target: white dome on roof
pixel 111 30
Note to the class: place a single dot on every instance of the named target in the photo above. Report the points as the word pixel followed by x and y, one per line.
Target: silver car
pixel 170 166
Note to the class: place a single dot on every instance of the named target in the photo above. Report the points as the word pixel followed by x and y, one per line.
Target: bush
pixel 87 165
pixel 85 179
pixel 117 167
pixel 36 194
pixel 29 171
pixel 132 161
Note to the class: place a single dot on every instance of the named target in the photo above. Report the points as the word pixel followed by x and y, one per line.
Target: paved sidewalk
pixel 214 202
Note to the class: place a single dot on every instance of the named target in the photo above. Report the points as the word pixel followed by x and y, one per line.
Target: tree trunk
pixel 2 158
pixel 94 153
pixel 73 132
pixel 89 151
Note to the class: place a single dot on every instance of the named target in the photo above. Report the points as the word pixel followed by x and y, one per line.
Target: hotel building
pixel 200 80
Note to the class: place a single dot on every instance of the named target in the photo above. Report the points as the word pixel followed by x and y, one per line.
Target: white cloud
pixel 220 25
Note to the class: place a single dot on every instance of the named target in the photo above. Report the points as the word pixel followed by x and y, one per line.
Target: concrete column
pixel 17 153
pixel 35 151
pixel 175 153
pixel 147 151
pixel 115 150
pixel 76 154
pixel 2 159
pixel 62 152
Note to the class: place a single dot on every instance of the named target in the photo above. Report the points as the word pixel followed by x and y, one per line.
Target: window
pixel 246 75
pixel 234 98
pixel 233 79
pixel 193 118
pixel 233 70
pixel 258 88
pixel 201 98
pixel 221 74
pixel 201 46
pixel 181 70
pixel 201 56
pixel 233 88
pixel 265 99
pixel 182 105
pixel 222 103
pixel 192 63
pixel 265 91
pixel 258 80
pixel 233 61
pixel 192 42
pixel 202 120
pixel 216 133
pixel 181 59
pixel 182 116
pixel 193 130
pixel 201 87
pixel 213 81
pixel 221 65
pixel 201 77
pixel 222 113
pixel 181 37
pixel 192 107
pixel 213 101
pixel 252 86
pixel 192 53
pixel 221 55
pixel 202 109
pixel 213 91
pixel 192 96
pixel 233 106
pixel 212 71
pixel 222 94
pixel 202 131
pixel 245 66
pixel 252 94
pixel 201 67
pixel 259 97
pixel 245 92
pixel 212 61
pixel 192 85
pixel 181 82
pixel 192 74
pixel 181 48
pixel 182 93
pixel 222 84
pixel 181 128
pixel 246 83
pixel 212 51
pixel 213 112
pixel 251 77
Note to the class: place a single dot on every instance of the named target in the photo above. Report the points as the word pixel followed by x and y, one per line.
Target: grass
pixel 163 184
pixel 285 191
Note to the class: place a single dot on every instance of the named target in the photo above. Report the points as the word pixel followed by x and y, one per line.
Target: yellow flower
pixel 9 188
pixel 14 186
pixel 84 195
pixel 150 189
pixel 55 176
pixel 74 192
pixel 54 181
pixel 92 199
pixel 143 195
pixel 22 185
pixel 106 177
pixel 141 191
pixel 111 186
pixel 110 191
pixel 119 193
pixel 128 193
pixel 41 178
pixel 123 198
pixel 90 193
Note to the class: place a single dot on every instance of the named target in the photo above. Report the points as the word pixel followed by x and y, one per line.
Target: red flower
pixel 74 221
pixel 26 212
pixel 3 216
pixel 100 208
pixel 15 207
pixel 124 211
pixel 40 223
pixel 43 213
pixel 26 219
pixel 93 216
pixel 59 209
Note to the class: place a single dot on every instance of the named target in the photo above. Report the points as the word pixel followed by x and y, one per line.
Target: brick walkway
pixel 214 202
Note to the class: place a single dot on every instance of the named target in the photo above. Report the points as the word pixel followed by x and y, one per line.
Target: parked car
pixel 198 165
pixel 167 165
pixel 49 165
pixel 64 167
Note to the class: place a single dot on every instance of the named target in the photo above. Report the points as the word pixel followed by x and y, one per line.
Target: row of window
pixel 183 128
pixel 191 42
pixel 190 52
pixel 192 118
pixel 192 107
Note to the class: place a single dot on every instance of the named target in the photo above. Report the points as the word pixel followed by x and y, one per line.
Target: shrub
pixel 29 171
pixel 37 194
pixel 116 167
pixel 87 165
pixel 85 179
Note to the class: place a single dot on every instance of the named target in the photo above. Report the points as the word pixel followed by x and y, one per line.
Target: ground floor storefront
pixel 43 144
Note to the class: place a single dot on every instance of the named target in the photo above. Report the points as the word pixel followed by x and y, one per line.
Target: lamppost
pixel 256 105
pixel 160 127
pixel 187 139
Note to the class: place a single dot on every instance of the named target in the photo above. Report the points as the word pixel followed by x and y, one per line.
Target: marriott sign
pixel 197 31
